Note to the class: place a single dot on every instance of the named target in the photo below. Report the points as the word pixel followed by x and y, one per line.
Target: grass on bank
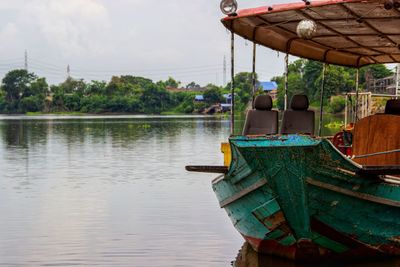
pixel 64 113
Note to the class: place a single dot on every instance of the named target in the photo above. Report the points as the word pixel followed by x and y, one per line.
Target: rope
pixel 377 154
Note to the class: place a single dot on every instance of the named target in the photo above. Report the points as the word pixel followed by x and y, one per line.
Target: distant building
pixel 271 88
pixel 226 107
pixel 228 98
pixel 199 98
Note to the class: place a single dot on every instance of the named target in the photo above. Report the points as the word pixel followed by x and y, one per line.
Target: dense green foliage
pixel 305 77
pixel 23 92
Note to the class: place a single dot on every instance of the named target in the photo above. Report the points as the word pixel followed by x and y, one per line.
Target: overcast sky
pixel 100 38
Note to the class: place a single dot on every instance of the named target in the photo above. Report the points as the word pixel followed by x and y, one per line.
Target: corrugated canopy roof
pixel 350 32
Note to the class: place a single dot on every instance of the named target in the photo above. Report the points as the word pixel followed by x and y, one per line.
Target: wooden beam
pixel 207 169
pixel 243 193
pixel 347 192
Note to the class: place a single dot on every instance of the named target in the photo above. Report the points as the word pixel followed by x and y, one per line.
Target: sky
pixel 156 39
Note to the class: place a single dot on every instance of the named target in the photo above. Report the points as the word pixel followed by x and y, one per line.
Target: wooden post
pixel 357 88
pixel 232 83
pixel 321 107
pixel 370 104
pixel 286 80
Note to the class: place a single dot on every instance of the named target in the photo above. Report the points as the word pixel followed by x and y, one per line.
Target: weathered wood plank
pixel 351 193
pixel 207 169
pixel 374 134
pixel 242 193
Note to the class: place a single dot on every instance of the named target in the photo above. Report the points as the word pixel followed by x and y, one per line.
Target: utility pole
pixel 224 71
pixel 68 72
pixel 26 60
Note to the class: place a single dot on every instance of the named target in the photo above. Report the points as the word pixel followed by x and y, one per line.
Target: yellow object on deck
pixel 226 149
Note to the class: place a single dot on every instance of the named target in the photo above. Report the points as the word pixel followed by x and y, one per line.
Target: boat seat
pixel 262 119
pixel 393 107
pixel 374 134
pixel 298 119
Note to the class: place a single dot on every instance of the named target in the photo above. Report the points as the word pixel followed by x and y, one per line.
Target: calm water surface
pixel 112 191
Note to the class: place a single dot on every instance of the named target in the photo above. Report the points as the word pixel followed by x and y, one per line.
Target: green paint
pixel 286 162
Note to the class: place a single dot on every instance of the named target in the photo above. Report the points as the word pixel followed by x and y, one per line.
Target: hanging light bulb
pixel 228 7
pixel 306 29
pixel 388 4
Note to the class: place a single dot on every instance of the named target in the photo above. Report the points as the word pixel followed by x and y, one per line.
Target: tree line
pixel 305 77
pixel 22 91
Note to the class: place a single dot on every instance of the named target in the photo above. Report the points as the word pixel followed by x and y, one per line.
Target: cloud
pixel 100 38
pixel 73 26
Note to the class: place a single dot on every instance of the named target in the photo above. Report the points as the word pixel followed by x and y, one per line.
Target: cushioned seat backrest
pixel 298 119
pixel 261 120
pixel 393 107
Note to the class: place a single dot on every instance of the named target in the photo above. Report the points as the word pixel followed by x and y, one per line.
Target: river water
pixel 112 191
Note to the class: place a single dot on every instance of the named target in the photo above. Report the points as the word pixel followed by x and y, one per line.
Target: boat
pixel 291 192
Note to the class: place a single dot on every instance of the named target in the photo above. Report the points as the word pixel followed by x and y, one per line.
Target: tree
pixel 192 85
pixel 73 86
pixel 243 89
pixel 171 82
pixel 337 80
pixel 23 91
pixel 374 72
pixel 95 88
pixel 213 95
pixel 16 83
pixel 305 77
pixel 296 86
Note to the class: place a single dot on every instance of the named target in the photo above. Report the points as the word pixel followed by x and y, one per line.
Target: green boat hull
pixel 298 197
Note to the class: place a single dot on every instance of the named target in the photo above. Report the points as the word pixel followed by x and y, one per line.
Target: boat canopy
pixel 351 33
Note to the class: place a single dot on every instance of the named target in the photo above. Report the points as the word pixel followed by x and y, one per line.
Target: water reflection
pixel 247 257
pixel 111 192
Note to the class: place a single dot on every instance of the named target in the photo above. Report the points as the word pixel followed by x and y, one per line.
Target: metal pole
pixel 357 89
pixel 286 80
pixel 346 110
pixel 397 80
pixel 232 83
pixel 254 73
pixel 322 100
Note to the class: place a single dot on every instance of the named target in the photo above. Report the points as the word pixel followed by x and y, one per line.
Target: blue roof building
pixel 269 86
pixel 199 98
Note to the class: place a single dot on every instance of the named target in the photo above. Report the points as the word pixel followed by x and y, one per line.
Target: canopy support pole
pixel 286 80
pixel 397 80
pixel 346 110
pixel 232 83
pixel 322 100
pixel 357 91
pixel 254 73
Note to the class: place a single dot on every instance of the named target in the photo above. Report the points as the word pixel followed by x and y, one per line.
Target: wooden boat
pixel 296 195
